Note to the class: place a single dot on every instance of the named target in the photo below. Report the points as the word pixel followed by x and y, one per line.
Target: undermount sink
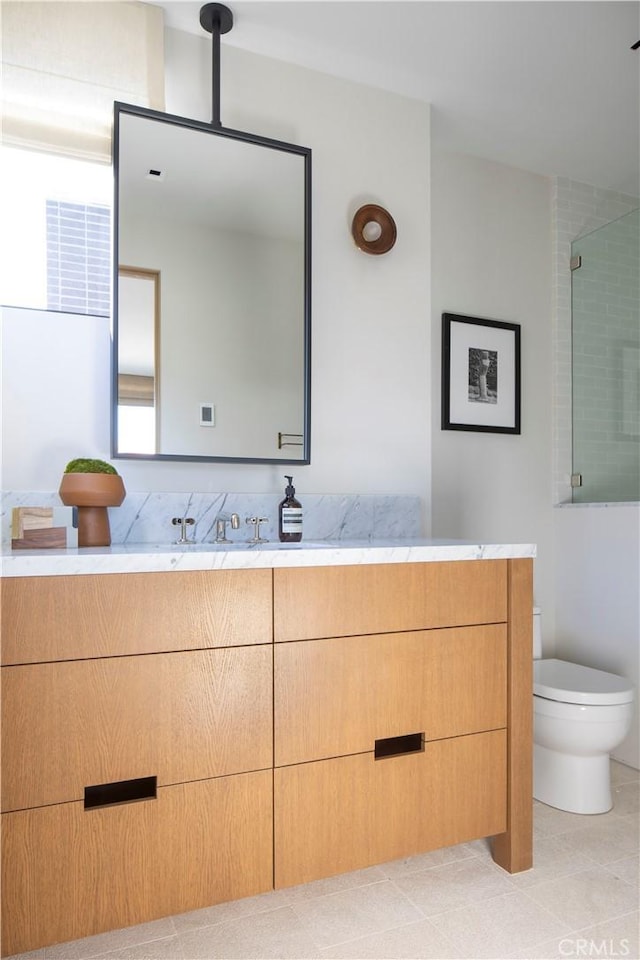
pixel 247 545
pixel 309 544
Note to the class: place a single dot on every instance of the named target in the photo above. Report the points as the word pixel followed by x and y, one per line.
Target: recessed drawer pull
pixel 397 746
pixel 123 791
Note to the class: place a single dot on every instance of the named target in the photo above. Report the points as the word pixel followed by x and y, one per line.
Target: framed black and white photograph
pixel 480 374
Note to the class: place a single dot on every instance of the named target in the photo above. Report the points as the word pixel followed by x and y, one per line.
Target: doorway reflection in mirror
pixel 138 355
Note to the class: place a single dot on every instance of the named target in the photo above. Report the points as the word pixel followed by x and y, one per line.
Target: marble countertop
pixel 141 558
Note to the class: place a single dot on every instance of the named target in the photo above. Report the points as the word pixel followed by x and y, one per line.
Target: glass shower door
pixel 605 294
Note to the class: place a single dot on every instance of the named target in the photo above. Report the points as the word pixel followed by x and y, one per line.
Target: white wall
pixel 491 258
pixel 597 595
pixel 370 382
pixel 55 394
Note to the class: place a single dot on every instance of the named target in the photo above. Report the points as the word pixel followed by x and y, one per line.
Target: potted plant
pixel 91 486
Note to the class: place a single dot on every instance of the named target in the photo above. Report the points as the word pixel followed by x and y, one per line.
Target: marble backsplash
pixel 146 517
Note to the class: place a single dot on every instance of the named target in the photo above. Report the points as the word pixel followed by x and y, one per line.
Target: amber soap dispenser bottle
pixel 290 515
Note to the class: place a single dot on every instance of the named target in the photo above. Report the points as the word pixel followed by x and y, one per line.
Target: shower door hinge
pixel 575 263
pixel 576 479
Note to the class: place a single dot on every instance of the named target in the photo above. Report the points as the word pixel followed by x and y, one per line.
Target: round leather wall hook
pixel 373 229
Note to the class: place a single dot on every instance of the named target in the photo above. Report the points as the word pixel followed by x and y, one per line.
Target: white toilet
pixel 580 715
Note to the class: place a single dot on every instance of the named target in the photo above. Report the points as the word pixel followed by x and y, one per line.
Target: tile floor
pixel 579 901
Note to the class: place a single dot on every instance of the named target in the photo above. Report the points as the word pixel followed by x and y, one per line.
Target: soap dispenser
pixel 290 515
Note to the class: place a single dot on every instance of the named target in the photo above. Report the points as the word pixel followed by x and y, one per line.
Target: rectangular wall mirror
pixel 212 292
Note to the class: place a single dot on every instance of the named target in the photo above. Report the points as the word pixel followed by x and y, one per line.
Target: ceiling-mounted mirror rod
pixel 216 19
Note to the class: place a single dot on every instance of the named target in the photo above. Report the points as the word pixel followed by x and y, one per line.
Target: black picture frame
pixel 480 374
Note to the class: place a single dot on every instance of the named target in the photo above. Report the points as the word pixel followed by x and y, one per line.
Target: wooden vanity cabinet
pixel 312 602
pixel 136 783
pixel 350 812
pixel 180 717
pixel 340 696
pixel 401 748
pixel 173 740
pixel 402 713
pixel 69 872
pixel 111 615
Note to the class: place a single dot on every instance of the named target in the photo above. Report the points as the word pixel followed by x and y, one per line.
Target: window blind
pixel 78 258
pixel 64 63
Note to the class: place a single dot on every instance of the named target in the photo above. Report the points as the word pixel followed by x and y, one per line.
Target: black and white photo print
pixel 483 375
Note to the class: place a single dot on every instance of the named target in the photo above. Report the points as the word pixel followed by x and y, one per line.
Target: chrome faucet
pixel 221 527
pixel 256 521
pixel 184 523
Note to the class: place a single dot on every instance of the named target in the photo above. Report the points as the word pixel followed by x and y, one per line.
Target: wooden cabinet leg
pixel 513 850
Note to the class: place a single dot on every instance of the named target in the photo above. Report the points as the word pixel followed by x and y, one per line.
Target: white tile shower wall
pixel 577 209
pixel 146 517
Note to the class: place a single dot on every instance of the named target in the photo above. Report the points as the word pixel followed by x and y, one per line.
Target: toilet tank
pixel 537 634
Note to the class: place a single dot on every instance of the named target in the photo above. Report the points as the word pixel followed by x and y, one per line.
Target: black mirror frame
pixel 219 131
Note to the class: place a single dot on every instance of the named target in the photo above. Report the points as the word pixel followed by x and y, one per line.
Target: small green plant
pixel 83 465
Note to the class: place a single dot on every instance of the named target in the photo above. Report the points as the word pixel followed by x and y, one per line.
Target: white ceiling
pixel 551 86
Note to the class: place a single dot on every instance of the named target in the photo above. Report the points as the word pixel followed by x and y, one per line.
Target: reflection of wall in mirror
pixel 226 339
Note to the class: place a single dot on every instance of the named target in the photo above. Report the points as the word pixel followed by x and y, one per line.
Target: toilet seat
pixel 572 683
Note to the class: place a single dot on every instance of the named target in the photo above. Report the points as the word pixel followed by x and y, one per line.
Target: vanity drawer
pixel 69 618
pixel 178 716
pixel 68 872
pixel 333 816
pixel 338 696
pixel 315 602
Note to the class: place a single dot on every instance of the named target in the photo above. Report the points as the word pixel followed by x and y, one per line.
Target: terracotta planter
pixel 92 493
